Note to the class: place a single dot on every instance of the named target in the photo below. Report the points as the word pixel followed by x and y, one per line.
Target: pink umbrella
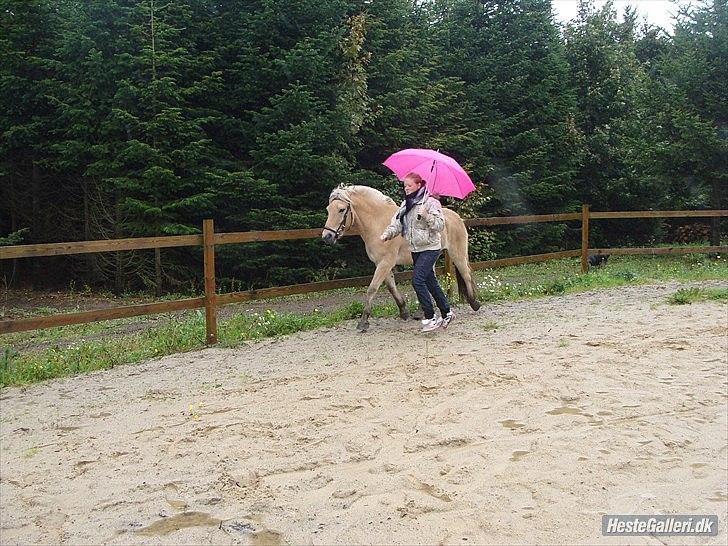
pixel 444 175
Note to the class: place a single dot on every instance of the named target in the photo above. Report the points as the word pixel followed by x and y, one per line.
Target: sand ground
pixel 523 423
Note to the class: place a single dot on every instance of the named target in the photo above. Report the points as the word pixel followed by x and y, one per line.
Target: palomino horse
pixel 370 211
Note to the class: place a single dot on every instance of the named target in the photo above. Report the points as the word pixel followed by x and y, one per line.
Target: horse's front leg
pixel 383 269
pixel 397 295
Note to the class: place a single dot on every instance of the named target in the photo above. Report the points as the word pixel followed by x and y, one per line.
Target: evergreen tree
pixel 92 37
pixel 156 162
pixel 514 69
pixel 611 86
pixel 140 117
pixel 520 134
pixel 29 33
pixel 295 92
pixel 698 68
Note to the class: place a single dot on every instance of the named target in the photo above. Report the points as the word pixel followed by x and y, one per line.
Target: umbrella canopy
pixel 442 174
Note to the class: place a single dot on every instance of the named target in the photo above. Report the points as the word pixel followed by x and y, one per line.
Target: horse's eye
pixel 342 210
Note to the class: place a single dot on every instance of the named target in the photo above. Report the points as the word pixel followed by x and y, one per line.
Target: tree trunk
pixel 91 260
pixel 119 274
pixel 10 201
pixel 35 195
pixel 716 202
pixel 158 271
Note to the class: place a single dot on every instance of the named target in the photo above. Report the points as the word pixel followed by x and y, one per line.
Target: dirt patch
pixel 516 420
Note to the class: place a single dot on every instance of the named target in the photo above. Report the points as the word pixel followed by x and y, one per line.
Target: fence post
pixel 584 238
pixel 208 240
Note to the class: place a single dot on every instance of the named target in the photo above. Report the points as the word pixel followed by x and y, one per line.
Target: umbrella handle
pixel 426 197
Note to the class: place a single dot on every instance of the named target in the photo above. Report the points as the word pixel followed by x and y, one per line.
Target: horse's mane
pixel 343 192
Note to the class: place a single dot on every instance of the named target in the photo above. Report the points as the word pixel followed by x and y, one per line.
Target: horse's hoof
pixel 362 327
pixel 475 304
pixel 404 315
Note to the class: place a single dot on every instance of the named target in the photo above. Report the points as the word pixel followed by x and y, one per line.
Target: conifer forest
pixel 133 118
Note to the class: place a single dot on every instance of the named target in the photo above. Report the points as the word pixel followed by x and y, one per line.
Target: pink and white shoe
pixel 447 319
pixel 428 325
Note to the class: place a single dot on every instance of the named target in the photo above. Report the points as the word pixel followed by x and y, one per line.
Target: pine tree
pixel 141 117
pixel 92 35
pixel 698 68
pixel 611 89
pixel 292 102
pixel 155 162
pixel 32 200
pixel 29 32
pixel 519 129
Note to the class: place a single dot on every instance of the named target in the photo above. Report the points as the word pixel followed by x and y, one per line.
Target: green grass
pixel 491 326
pixel 70 350
pixel 690 295
pixel 49 335
pixel 180 334
pixel 562 276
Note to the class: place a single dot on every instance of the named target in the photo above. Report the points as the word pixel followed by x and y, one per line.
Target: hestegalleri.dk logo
pixel 659 525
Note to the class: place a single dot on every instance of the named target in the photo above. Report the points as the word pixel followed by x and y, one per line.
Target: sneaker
pixel 428 325
pixel 447 319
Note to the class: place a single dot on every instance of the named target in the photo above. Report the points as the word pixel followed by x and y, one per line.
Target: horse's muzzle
pixel 329 238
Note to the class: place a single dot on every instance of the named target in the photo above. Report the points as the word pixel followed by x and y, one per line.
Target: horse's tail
pixel 463 288
pixel 467 289
pixel 458 249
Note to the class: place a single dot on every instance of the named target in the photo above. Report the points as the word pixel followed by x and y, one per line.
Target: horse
pixel 370 211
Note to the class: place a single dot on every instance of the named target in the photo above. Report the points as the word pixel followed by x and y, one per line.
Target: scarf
pixel 409 202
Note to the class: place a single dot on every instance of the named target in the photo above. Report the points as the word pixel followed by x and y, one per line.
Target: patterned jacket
pixel 423 225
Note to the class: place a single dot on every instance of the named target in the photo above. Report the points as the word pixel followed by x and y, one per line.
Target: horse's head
pixel 340 218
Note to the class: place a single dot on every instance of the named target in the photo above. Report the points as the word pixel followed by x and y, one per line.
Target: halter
pixel 338 232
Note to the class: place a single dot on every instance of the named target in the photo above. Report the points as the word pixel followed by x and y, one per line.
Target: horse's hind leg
pixel 380 274
pixel 397 295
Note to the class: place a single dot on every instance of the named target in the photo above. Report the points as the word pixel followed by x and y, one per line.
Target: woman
pixel 420 221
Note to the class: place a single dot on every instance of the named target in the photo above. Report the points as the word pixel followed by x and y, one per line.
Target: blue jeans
pixel 425 283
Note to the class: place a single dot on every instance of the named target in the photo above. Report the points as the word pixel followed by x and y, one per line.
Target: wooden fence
pixel 209 240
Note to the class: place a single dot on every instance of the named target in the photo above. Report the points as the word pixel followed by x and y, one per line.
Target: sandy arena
pixel 609 402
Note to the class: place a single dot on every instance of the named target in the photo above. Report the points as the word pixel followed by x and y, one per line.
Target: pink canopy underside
pixel 444 176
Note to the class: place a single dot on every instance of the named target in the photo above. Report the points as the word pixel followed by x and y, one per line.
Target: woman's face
pixel 410 185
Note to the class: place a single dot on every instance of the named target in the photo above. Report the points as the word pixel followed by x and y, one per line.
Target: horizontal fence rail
pixel 141 243
pixel 144 243
pixel 96 315
pixel 208 240
pixel 658 214
pixel 518 260
pixel 660 251
pixel 106 245
pixel 529 219
pixel 265 236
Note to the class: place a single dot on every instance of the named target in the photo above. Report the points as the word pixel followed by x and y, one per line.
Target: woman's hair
pixel 416 178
